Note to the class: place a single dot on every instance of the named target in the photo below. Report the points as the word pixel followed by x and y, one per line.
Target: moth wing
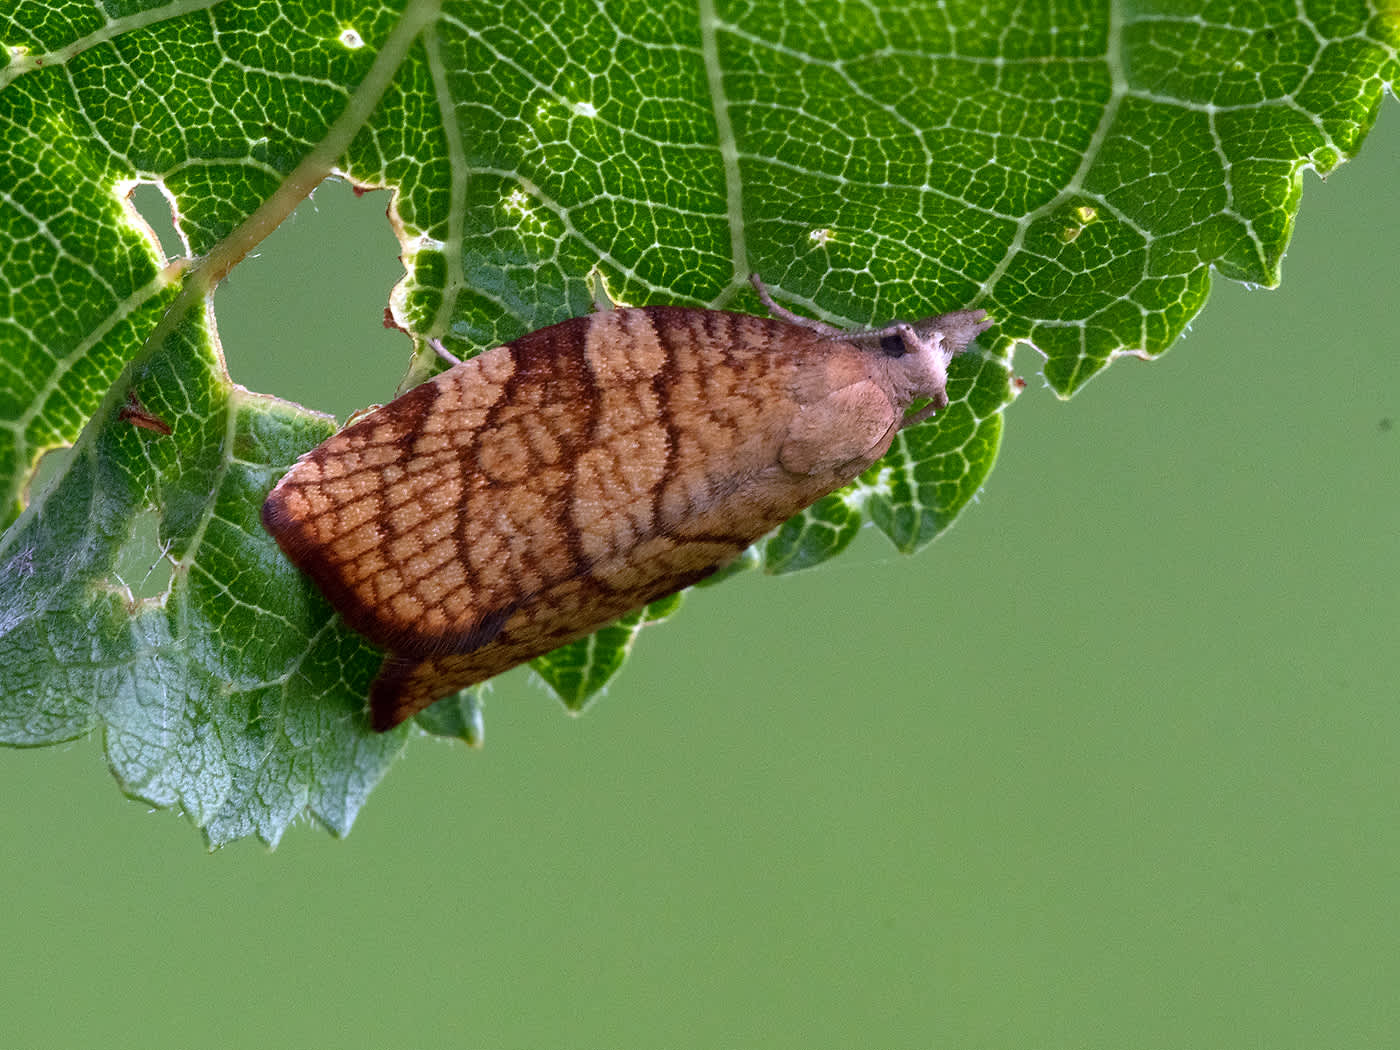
pixel 679 473
pixel 533 494
pixel 426 522
pixel 406 684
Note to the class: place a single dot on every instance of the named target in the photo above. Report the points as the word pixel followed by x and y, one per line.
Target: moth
pixel 530 495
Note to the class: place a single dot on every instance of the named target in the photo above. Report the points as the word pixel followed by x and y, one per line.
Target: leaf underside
pixel 1077 179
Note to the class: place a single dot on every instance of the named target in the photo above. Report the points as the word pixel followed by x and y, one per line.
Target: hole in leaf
pixel 1027 370
pixel 303 317
pixel 142 566
pixel 51 464
pixel 156 211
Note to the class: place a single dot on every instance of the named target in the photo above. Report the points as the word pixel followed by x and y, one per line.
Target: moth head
pixel 914 357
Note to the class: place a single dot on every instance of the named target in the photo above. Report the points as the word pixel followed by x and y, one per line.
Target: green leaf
pixel 1078 174
pixel 460 716
pixel 578 671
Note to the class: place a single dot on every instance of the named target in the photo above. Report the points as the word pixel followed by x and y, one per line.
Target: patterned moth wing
pixel 528 496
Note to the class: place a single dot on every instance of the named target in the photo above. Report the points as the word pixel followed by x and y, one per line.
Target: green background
pixel 1112 764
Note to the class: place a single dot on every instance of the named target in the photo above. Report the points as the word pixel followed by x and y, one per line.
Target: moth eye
pixel 893 345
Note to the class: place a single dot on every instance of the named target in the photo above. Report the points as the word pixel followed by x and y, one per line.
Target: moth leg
pixel 936 404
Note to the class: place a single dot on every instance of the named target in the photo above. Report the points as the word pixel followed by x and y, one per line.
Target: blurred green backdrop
pixel 1112 764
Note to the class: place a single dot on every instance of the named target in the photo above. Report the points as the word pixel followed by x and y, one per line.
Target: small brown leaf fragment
pixel 533 494
pixel 135 413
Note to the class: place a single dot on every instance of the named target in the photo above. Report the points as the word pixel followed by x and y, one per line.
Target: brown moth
pixel 531 495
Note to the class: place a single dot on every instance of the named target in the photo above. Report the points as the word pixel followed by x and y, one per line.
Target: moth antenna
pixel 782 313
pixel 444 353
